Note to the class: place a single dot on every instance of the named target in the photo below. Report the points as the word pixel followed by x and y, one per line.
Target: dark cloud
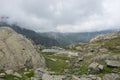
pixel 63 15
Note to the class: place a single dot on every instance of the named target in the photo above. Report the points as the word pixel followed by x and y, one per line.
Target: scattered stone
pixel 9 72
pixel 2 75
pixel 79 59
pixel 88 77
pixel 67 77
pixel 26 69
pixel 103 50
pixel 17 75
pixel 79 48
pixel 26 72
pixel 30 69
pixel 111 63
pixel 53 59
pixel 95 68
pixel 111 76
pixel 33 78
pixel 46 76
pixel 66 70
pixel 39 73
pixel 75 78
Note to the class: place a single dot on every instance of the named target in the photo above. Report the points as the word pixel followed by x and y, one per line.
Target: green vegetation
pixel 107 69
pixel 10 77
pixel 112 45
pixel 57 62
pixel 30 74
pixel 83 69
pixel 21 72
pixel 47 53
pixel 2 70
pixel 57 66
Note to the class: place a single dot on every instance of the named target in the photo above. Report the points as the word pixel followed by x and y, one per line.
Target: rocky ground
pixel 97 60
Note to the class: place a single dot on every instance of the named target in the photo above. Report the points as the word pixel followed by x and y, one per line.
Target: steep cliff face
pixel 16 51
pixel 106 36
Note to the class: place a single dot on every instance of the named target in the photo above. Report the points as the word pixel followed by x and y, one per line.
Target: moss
pixel 30 74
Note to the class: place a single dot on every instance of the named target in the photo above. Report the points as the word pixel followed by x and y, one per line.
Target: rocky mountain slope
pixel 106 36
pixel 97 60
pixel 65 39
pixel 16 51
pixel 49 39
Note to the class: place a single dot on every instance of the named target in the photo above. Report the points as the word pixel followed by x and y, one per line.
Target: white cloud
pixel 63 15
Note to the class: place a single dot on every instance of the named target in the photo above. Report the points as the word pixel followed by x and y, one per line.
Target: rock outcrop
pixel 106 36
pixel 41 74
pixel 86 77
pixel 111 76
pixel 95 68
pixel 111 63
pixel 16 51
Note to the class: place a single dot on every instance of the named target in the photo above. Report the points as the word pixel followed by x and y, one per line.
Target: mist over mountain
pixel 62 15
pixel 72 38
pixel 55 38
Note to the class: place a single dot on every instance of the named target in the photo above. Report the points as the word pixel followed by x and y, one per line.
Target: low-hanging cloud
pixel 63 15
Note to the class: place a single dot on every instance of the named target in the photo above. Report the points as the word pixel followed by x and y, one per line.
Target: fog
pixel 62 15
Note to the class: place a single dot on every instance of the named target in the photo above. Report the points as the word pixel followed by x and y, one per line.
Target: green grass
pixel 9 77
pixel 83 70
pixel 21 72
pixel 56 66
pixel 2 70
pixel 107 70
pixel 59 64
pixel 47 53
pixel 30 74
pixel 111 45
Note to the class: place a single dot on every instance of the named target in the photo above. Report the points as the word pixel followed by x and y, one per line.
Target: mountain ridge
pixel 49 39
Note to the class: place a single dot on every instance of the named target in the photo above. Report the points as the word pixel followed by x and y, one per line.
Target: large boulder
pixel 111 63
pixel 95 68
pixel 16 51
pixel 86 77
pixel 111 76
pixel 42 74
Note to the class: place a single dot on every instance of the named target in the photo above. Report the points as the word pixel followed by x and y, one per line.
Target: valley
pixel 22 59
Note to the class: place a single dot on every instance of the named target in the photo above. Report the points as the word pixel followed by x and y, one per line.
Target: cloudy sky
pixel 63 15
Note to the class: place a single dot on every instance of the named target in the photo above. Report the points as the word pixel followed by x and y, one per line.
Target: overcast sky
pixel 63 15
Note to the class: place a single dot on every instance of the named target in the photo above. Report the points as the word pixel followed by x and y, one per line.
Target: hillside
pixel 96 60
pixel 49 39
pixel 37 38
pixel 65 39
pixel 16 54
